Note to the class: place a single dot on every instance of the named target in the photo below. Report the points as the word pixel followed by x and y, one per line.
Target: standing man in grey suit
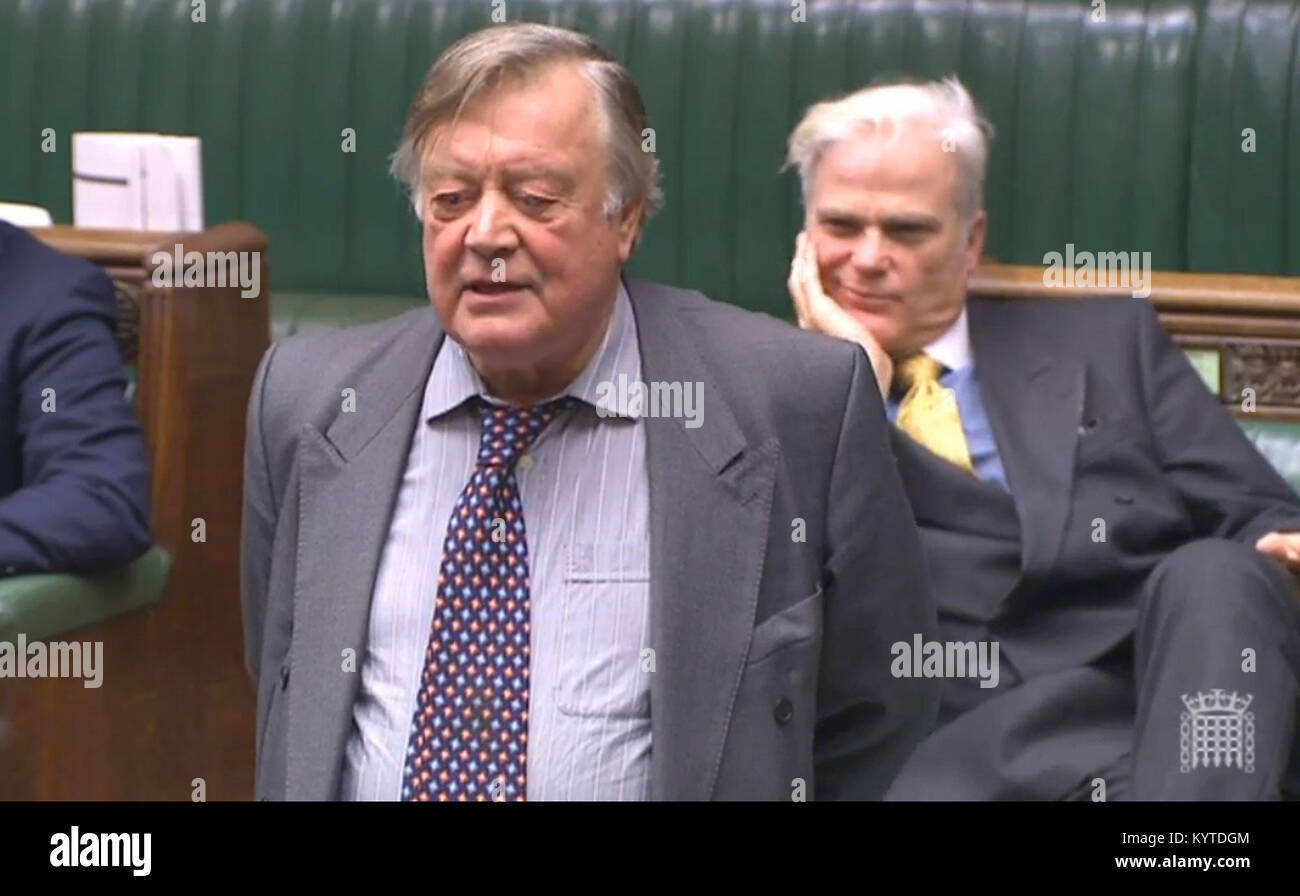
pixel 678 551
pixel 1084 502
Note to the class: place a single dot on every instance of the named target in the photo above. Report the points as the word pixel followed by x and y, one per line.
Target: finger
pixel 1272 543
pixel 1279 547
pixel 1289 558
pixel 795 283
pixel 813 292
pixel 808 257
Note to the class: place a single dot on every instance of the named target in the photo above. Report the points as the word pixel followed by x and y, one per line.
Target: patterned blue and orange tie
pixel 469 734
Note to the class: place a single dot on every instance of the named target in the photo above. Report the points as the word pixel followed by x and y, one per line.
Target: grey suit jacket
pixel 784 560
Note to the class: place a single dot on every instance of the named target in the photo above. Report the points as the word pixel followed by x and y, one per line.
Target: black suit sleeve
pixel 84 501
pixel 1230 489
pixel 876 594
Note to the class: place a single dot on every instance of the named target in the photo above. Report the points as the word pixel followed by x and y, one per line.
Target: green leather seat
pixel 1280 444
pixel 302 312
pixel 43 606
pixel 1123 133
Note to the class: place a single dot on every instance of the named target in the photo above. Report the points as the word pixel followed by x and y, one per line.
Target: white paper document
pixel 137 181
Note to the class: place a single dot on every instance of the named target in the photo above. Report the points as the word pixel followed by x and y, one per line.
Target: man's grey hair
pixel 507 55
pixel 943 109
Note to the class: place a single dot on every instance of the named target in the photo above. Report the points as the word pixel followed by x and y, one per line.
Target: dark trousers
pixel 1216 664
pixel 1212 615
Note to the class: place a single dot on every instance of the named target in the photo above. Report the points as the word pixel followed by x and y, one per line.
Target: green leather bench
pixel 45 606
pixel 1124 133
pixel 1278 442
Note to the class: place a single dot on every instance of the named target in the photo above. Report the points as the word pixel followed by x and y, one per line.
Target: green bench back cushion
pixel 43 606
pixel 1116 134
pixel 1279 442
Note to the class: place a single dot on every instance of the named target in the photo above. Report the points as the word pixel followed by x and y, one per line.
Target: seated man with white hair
pixel 1091 516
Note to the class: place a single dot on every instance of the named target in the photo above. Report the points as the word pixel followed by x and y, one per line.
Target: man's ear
pixel 630 222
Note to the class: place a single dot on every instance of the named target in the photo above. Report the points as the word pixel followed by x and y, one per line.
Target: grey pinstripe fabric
pixel 585 492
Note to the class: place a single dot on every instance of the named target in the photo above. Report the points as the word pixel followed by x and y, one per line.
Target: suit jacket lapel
pixel 348 479
pixel 1035 404
pixel 710 503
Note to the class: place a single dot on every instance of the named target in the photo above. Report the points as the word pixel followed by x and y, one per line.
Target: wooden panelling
pixel 176 704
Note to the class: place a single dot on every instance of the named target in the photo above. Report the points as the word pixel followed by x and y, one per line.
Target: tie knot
pixel 509 430
pixel 919 368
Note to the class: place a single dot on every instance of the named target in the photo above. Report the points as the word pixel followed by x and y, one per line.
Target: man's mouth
pixel 857 296
pixel 492 287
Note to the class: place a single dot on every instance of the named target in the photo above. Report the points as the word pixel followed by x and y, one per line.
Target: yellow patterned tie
pixel 929 412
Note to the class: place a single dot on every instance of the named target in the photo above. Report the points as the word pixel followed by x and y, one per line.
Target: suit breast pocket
pixel 1103 433
pixel 795 624
pixel 602 671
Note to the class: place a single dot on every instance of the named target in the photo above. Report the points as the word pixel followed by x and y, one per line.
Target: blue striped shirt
pixel 585 493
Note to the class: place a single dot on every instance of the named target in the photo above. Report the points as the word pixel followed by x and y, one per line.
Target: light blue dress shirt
pixel 584 486
pixel 952 349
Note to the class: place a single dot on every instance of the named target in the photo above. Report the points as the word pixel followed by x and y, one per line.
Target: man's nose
pixel 869 253
pixel 491 231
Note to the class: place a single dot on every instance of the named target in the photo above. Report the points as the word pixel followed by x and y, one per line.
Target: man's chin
pixel 883 326
pixel 497 346
pixel 497 350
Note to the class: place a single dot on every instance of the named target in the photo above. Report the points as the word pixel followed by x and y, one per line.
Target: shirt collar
pixel 453 379
pixel 952 349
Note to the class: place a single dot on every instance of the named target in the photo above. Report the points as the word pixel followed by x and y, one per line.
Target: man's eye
pixel 445 202
pixel 907 232
pixel 535 203
pixel 840 228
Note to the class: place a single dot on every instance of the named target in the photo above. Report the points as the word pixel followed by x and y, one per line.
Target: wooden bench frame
pixel 1252 324
pixel 175 705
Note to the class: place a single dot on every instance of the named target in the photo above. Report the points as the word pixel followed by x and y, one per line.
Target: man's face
pixel 892 248
pixel 520 261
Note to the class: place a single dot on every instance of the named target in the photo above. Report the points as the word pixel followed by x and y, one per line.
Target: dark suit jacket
pixel 1098 416
pixel 772 650
pixel 74 485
